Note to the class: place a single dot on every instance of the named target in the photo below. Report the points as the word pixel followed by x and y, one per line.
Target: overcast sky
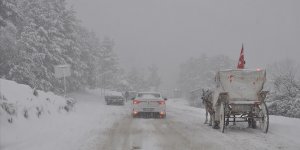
pixel 168 32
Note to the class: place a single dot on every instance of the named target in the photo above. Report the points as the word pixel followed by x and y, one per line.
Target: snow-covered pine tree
pixel 198 73
pixel 107 67
pixel 153 80
pixel 284 98
pixel 136 78
pixel 35 35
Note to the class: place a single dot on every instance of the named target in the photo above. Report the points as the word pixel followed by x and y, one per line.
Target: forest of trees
pixel 143 79
pixel 197 73
pixel 36 35
pixel 284 87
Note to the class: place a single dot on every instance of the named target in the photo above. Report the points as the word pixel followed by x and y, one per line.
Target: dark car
pixel 114 98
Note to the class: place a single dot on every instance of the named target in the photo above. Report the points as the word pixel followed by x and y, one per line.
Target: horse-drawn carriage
pixel 238 97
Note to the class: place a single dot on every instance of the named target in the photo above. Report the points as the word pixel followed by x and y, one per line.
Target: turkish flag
pixel 241 63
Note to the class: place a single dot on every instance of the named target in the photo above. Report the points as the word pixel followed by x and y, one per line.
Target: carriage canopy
pixel 241 84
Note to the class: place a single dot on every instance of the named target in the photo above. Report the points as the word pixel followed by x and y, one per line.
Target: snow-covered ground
pixel 19 101
pixel 80 129
pixel 94 125
pixel 184 129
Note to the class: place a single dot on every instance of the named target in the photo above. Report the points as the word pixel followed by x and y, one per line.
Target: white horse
pixel 207 101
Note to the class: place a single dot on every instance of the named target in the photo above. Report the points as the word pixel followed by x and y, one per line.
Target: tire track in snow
pixel 118 134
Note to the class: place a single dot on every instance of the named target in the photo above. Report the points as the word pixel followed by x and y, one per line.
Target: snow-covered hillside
pixel 19 102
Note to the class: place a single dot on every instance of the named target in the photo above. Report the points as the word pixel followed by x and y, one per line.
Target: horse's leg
pixel 210 120
pixel 206 114
pixel 233 119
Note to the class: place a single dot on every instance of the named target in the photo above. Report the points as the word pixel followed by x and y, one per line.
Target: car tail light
pixel 136 101
pixel 161 102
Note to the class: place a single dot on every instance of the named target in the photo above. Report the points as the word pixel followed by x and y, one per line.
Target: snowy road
pixel 144 134
pixel 184 129
pixel 96 126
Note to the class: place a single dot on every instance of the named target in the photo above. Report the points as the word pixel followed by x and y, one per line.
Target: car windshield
pixel 113 93
pixel 148 95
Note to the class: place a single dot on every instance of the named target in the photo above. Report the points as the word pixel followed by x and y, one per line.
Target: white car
pixel 149 104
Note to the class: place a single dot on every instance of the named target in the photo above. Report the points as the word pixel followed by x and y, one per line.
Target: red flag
pixel 241 63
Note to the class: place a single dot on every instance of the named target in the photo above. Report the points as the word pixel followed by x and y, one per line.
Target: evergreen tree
pixel 199 72
pixel 107 67
pixel 136 80
pixel 36 35
pixel 154 80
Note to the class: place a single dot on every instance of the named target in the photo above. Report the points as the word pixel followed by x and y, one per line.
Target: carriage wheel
pixel 264 120
pixel 222 117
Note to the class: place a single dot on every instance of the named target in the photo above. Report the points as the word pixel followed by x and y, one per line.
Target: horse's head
pixel 206 94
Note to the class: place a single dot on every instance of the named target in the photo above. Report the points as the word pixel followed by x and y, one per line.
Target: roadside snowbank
pixel 80 130
pixel 19 101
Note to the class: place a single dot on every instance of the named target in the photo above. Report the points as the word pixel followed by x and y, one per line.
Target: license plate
pixel 148 109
